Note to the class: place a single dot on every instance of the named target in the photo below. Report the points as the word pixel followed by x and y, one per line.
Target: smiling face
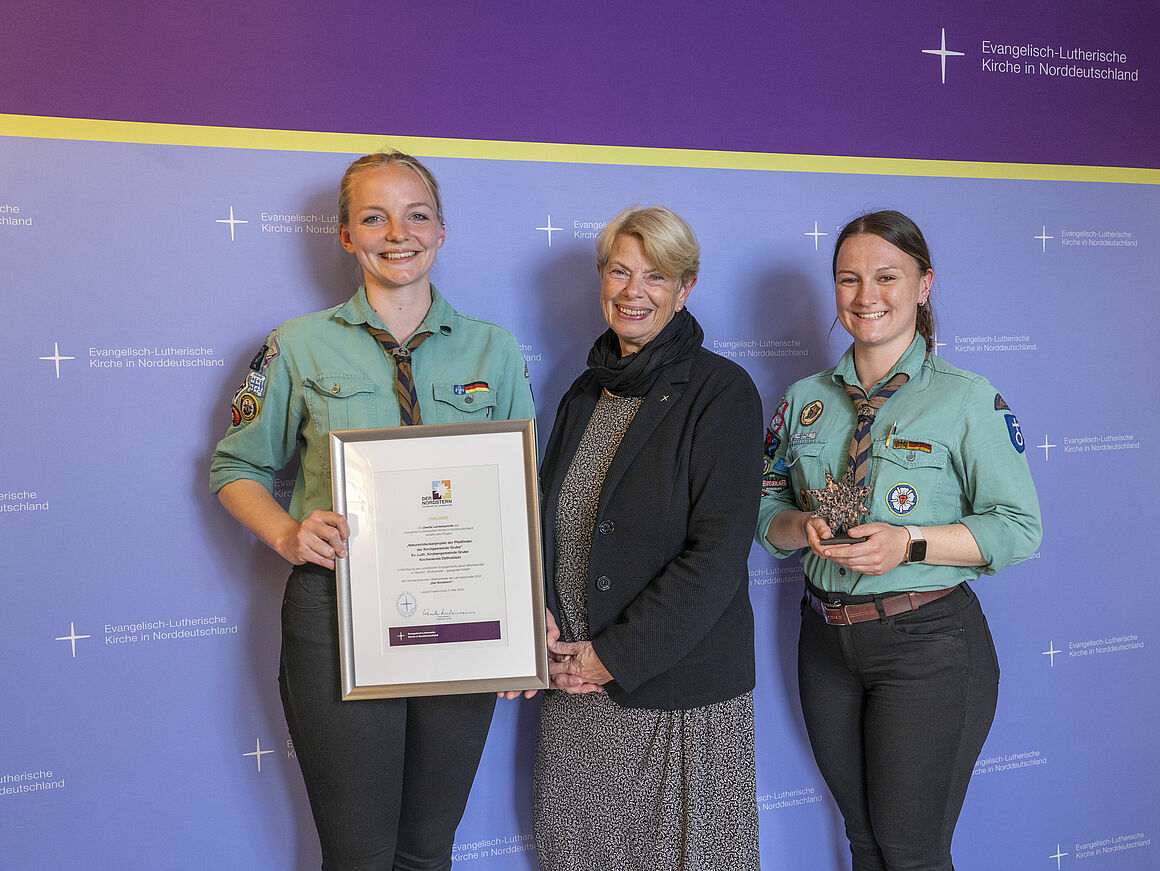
pixel 878 288
pixel 636 299
pixel 394 229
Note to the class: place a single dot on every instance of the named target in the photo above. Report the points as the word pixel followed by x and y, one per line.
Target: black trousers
pixel 897 710
pixel 388 779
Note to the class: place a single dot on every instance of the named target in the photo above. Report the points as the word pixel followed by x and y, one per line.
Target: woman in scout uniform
pixel 896 668
pixel 388 779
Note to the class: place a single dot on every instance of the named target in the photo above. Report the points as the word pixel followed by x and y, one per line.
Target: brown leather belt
pixel 848 615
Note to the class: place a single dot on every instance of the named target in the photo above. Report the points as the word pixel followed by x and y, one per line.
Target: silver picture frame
pixel 441 591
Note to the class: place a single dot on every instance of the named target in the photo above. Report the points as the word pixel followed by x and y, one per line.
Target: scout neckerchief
pixel 866 409
pixel 409 414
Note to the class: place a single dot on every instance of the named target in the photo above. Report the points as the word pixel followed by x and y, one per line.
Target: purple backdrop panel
pixel 1040 81
pixel 141 634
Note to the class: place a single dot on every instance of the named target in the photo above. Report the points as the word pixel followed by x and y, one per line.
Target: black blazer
pixel 668 583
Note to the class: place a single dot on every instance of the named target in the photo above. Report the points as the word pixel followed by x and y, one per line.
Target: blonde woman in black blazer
pixel 651 480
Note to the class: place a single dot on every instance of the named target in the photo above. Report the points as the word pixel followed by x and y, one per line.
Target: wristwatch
pixel 916 549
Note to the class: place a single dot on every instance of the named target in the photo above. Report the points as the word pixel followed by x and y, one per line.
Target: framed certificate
pixel 441 590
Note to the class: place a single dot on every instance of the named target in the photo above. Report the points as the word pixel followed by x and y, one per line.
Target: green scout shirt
pixel 946 449
pixel 324 371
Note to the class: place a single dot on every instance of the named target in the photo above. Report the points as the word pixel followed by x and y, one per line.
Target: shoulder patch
pixel 248 406
pixel 1014 432
pixel 778 419
pixel 772 443
pixel 1000 403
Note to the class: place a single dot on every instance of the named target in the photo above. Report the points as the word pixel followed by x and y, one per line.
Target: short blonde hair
pixel 386 158
pixel 668 242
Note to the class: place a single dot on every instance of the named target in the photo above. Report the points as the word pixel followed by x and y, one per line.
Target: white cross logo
pixel 232 221
pixel 550 229
pixel 56 358
pixel 943 53
pixel 815 234
pixel 258 753
pixel 73 638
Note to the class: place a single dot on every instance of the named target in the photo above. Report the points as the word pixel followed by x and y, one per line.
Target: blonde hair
pixel 385 158
pixel 668 242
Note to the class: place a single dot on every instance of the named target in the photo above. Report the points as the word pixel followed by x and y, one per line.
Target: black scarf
pixel 634 375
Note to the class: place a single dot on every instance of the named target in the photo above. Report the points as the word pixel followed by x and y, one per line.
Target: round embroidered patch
pixel 811 413
pixel 901 499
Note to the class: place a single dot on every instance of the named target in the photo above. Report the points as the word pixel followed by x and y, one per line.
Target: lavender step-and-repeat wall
pixel 143 265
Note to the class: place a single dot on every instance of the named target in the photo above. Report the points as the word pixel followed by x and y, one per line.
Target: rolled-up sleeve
pixel 1003 506
pixel 256 449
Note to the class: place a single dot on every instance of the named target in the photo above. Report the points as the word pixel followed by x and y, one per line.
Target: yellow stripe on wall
pixel 92 130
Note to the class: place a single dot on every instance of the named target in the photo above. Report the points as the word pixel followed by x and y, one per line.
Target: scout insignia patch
pixel 256 384
pixel 901 499
pixel 1000 403
pixel 908 445
pixel 256 363
pixel 248 406
pixel 778 418
pixel 772 443
pixel 473 387
pixel 805 497
pixel 1014 432
pixel 811 413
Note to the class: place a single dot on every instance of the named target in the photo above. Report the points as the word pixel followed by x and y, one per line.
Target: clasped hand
pixel 884 547
pixel 573 666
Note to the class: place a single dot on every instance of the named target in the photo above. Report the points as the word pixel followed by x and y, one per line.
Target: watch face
pixel 917 551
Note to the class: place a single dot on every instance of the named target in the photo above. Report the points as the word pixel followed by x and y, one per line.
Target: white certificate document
pixel 441 575
pixel 442 590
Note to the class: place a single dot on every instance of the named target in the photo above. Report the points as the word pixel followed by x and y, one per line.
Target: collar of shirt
pixel 357 311
pixel 911 362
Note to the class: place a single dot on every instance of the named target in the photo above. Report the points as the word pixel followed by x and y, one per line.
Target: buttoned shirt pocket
pixel 341 402
pixel 807 464
pixel 908 476
pixel 458 402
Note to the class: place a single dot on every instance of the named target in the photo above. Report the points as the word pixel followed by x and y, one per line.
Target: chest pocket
pixel 341 402
pixel 465 406
pixel 806 461
pixel 908 477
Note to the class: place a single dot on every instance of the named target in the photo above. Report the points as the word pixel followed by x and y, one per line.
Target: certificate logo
pixel 406 605
pixel 440 494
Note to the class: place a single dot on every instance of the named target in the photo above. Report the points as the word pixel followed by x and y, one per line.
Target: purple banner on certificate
pixel 445 633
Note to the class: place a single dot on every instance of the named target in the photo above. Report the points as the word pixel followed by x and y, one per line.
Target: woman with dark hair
pixel 896 668
pixel 646 753
pixel 387 779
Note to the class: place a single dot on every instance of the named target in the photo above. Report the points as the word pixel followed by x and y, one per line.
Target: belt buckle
pixel 837 609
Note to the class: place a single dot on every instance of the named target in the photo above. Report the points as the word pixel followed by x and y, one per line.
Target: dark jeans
pixel 388 779
pixel 897 711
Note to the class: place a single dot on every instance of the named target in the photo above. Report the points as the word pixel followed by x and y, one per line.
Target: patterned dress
pixel 633 789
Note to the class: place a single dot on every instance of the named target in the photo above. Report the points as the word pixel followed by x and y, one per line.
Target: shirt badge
pixel 778 418
pixel 1015 432
pixel 256 384
pixel 772 443
pixel 908 445
pixel 248 406
pixel 901 499
pixel 473 387
pixel 1000 403
pixel 811 413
